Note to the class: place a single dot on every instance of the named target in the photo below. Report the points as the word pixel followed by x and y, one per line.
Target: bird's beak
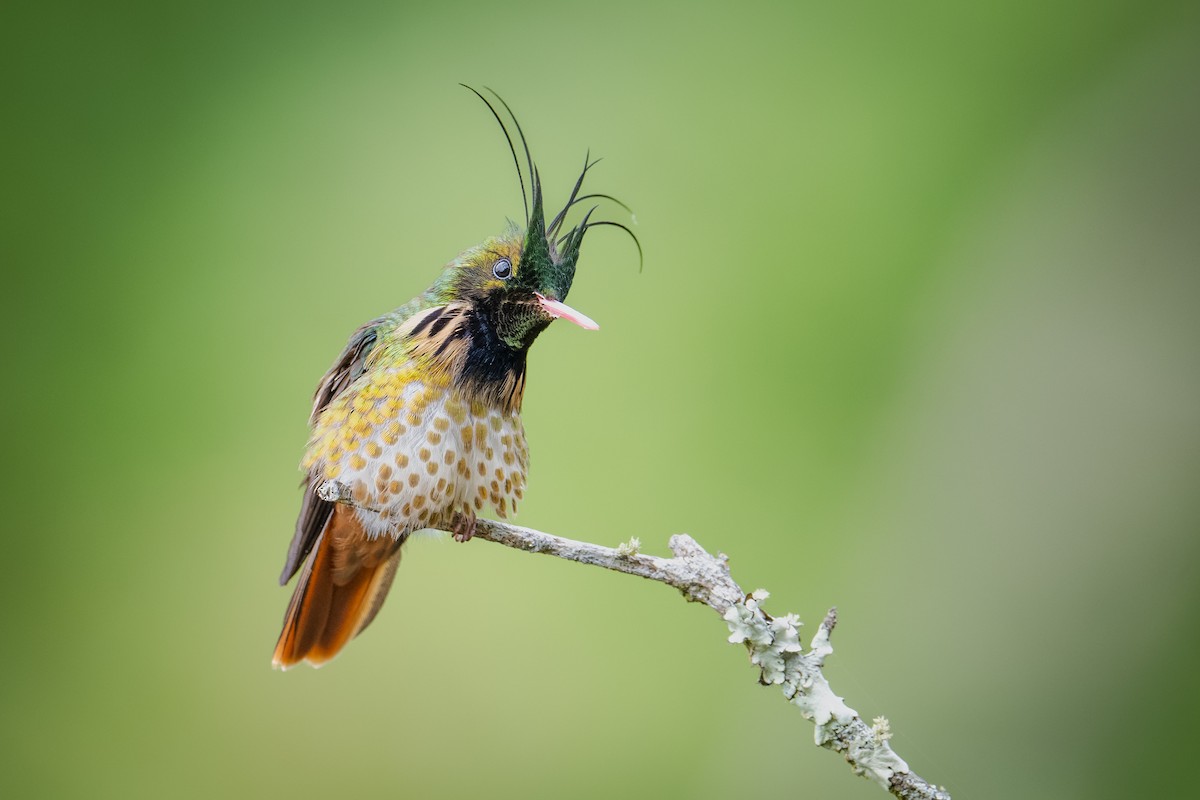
pixel 563 311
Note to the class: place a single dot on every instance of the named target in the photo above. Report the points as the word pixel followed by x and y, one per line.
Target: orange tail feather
pixel 341 589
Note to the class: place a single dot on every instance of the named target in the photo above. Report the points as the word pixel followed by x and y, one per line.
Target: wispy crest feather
pixel 560 246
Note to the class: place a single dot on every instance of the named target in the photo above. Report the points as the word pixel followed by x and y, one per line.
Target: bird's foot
pixel 463 526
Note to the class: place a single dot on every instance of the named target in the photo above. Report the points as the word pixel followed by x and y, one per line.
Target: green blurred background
pixel 916 336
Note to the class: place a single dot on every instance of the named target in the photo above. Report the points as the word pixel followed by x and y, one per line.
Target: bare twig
pixel 773 643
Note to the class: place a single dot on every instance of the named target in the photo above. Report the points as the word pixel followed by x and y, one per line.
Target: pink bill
pixel 564 311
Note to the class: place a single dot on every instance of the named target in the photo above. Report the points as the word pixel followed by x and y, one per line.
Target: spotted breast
pixel 413 450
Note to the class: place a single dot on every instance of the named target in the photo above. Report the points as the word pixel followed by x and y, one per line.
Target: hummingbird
pixel 417 424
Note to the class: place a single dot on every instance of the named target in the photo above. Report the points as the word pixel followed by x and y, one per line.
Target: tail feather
pixel 343 586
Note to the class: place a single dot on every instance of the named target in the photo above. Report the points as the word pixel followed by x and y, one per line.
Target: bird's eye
pixel 502 269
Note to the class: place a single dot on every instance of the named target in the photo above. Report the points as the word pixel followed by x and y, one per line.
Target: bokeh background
pixel 916 336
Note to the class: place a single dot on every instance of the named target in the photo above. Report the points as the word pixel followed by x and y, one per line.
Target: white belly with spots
pixel 434 456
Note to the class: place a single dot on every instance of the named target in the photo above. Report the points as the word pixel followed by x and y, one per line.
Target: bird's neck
pixel 492 370
pixel 461 342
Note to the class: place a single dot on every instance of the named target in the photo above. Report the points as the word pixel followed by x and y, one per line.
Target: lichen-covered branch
pixel 773 643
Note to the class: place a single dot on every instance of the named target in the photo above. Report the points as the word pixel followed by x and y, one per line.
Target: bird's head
pixel 518 281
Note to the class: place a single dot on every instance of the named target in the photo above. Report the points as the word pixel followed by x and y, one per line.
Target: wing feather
pixel 314 512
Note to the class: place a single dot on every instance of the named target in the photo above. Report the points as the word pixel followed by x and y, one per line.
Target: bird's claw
pixel 463 526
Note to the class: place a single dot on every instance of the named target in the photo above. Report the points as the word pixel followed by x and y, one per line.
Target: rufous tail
pixel 340 590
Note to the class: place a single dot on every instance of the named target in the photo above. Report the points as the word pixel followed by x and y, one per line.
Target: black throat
pixel 491 364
